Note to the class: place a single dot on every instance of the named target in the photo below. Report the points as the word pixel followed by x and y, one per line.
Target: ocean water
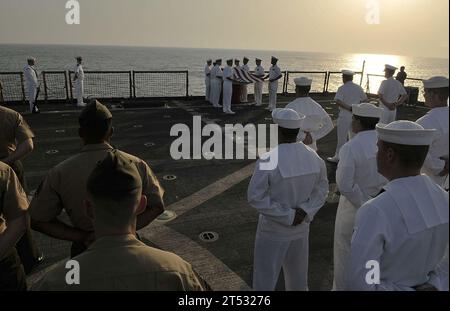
pixel 97 58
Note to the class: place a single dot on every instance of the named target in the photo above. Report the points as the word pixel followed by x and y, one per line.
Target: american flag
pixel 245 77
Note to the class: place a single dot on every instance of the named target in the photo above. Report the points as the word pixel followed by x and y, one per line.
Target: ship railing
pixel 59 86
pixel 412 86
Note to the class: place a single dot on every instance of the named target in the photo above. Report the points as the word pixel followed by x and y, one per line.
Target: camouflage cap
pixel 116 175
pixel 93 113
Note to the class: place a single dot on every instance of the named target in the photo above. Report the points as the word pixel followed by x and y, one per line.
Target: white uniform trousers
pixel 227 94
pixel 343 231
pixel 344 126
pixel 212 91
pixel 388 116
pixel 217 89
pixel 273 88
pixel 208 89
pixel 271 255
pixel 31 92
pixel 244 93
pixel 258 93
pixel 79 92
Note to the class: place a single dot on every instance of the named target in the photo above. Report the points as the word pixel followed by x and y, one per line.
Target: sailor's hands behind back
pixel 300 216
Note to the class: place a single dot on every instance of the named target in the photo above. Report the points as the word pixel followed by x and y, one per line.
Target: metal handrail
pixel 382 76
pixel 52 91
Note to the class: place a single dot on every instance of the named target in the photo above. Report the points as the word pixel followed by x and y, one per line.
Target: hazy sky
pixel 407 27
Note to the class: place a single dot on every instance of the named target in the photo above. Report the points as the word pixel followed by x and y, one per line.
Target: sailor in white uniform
pixel 237 63
pixel 358 181
pixel 436 97
pixel 79 82
pixel 259 72
pixel 317 123
pixel 347 95
pixel 244 87
pixel 392 94
pixel 208 80
pixel 436 163
pixel 216 83
pixel 274 75
pixel 236 66
pixel 287 198
pixel 228 78
pixel 32 83
pixel 404 230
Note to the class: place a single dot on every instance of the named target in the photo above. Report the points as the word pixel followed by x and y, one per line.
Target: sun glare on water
pixel 375 62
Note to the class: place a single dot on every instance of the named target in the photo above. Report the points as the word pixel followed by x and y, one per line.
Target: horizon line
pixel 226 49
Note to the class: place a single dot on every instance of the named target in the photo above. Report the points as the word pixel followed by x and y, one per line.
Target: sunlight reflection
pixel 375 65
pixel 375 62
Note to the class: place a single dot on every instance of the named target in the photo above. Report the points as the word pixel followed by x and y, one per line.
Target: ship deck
pixel 206 195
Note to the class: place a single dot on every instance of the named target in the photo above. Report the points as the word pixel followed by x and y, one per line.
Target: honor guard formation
pixel 392 176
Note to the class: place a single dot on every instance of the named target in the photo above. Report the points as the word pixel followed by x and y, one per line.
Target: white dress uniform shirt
pixel 32 83
pixel 80 73
pixel 350 94
pixel 228 72
pixel 404 229
pixel 244 92
pixel 391 90
pixel 274 72
pixel 357 173
pixel 299 181
pixel 358 181
pixel 259 72
pixel 309 107
pixel 437 118
pixel 207 82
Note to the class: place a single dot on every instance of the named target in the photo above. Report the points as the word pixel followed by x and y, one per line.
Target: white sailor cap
pixel 245 58
pixel 390 67
pixel 303 81
pixel 367 110
pixel 346 72
pixel 31 59
pixel 230 60
pixel 258 59
pixel 218 60
pixel 79 58
pixel 287 118
pixel 237 60
pixel 405 133
pixel 209 61
pixel 436 82
pixel 312 123
pixel 274 58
